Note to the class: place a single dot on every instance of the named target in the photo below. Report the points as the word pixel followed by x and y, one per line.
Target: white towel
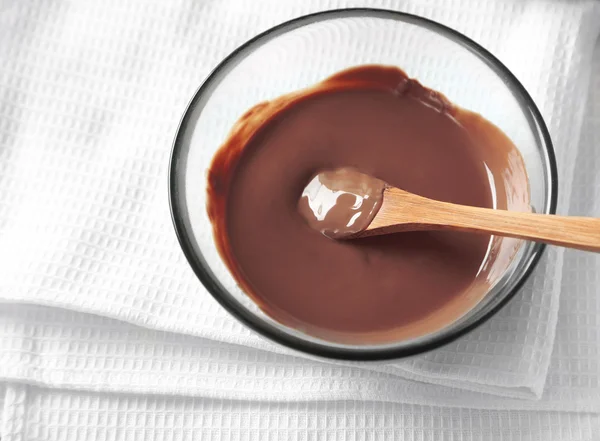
pixel 35 414
pixel 91 94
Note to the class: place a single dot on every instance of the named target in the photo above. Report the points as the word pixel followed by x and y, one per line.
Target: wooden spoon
pixel 404 211
pixel 346 204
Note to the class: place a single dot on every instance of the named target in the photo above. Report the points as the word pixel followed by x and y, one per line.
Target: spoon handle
pixel 568 231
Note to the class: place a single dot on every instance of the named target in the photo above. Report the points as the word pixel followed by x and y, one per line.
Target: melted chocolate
pixel 376 120
pixel 341 202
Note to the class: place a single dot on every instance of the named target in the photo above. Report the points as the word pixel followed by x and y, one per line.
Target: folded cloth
pixel 91 96
pixel 53 347
pixel 37 414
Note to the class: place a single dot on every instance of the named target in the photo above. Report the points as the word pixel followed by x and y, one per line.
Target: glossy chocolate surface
pixel 376 120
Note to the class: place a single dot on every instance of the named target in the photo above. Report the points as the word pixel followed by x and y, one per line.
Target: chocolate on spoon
pixel 347 204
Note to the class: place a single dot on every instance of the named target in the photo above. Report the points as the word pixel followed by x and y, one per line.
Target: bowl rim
pixel 319 349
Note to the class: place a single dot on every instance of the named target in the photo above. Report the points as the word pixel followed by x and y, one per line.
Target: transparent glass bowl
pixel 304 51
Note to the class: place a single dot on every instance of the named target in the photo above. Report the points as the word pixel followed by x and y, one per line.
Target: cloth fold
pixel 90 97
pixel 34 414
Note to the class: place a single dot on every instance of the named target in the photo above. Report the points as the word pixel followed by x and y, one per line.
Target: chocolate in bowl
pixel 299 53
pixel 375 290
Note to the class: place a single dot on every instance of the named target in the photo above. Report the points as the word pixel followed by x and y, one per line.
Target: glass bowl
pixel 304 51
